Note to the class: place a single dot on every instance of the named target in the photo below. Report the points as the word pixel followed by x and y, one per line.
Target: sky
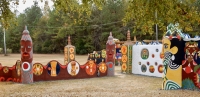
pixel 21 7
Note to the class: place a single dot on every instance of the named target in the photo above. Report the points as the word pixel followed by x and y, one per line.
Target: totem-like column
pixel 173 51
pixel 110 55
pixel 26 57
pixel 69 52
pixel 126 50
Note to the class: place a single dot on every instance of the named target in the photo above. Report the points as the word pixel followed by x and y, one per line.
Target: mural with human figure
pixel 190 67
pixel 173 56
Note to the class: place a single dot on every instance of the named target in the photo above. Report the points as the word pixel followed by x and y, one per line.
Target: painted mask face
pixel 191 50
pixel 26 50
pixel 110 52
pixel 166 47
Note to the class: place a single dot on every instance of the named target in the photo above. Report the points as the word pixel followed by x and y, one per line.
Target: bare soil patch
pixel 120 85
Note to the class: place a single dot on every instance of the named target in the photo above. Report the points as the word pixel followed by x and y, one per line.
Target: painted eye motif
pixel 29 46
pixel 165 46
pixel 22 46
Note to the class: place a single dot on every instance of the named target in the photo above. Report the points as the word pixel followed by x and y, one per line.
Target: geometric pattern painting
pixel 146 60
pixel 190 68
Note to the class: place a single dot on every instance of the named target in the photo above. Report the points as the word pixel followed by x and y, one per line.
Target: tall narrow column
pixel 69 52
pixel 126 50
pixel 110 55
pixel 26 57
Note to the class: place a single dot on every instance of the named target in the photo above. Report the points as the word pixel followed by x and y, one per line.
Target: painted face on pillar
pixel 26 50
pixel 110 52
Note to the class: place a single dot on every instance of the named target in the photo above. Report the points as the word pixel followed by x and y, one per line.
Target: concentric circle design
pixel 26 66
pixel 73 68
pixel 37 69
pixel 160 68
pixel 71 50
pixel 5 69
pixel 144 53
pixel 71 56
pixel 124 58
pixel 143 68
pixel 151 69
pixel 124 66
pixel 102 67
pixel 90 67
pixel 123 49
pixel 157 50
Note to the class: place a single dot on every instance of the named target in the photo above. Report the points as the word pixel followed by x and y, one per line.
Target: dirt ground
pixel 120 85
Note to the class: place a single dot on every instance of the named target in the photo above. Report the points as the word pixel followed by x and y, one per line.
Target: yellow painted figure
pixel 172 71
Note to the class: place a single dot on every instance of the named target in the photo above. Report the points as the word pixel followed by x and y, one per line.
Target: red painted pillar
pixel 26 57
pixel 110 55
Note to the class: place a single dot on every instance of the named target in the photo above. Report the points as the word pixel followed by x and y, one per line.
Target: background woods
pixel 89 22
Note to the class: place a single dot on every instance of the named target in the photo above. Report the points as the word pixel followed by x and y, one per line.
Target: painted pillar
pixel 69 52
pixel 126 50
pixel 110 55
pixel 173 55
pixel 26 57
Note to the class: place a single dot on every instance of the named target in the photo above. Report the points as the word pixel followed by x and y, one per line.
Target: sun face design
pixel 37 69
pixel 103 68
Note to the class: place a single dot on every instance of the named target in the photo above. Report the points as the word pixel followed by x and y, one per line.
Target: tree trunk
pixel 4 37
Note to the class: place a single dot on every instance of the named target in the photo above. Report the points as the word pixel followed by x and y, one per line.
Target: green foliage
pixel 142 14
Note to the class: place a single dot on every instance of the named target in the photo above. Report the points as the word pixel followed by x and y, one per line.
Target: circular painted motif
pixel 103 54
pixel 18 67
pixel 144 53
pixel 151 69
pixel 26 66
pixel 71 50
pixel 71 56
pixel 73 68
pixel 139 63
pixel 148 63
pixel 53 68
pixel 102 68
pixel 157 50
pixel 143 68
pixel 110 65
pixel 153 55
pixel 5 69
pixel 123 49
pixel 96 55
pixel 124 66
pixel 124 58
pixel 156 63
pixel 90 67
pixel 160 68
pixel 37 69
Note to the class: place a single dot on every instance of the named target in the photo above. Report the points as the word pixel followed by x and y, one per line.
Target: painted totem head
pixel 191 50
pixel 26 47
pixel 110 48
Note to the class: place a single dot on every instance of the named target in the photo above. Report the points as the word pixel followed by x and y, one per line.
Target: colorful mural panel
pixel 144 63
